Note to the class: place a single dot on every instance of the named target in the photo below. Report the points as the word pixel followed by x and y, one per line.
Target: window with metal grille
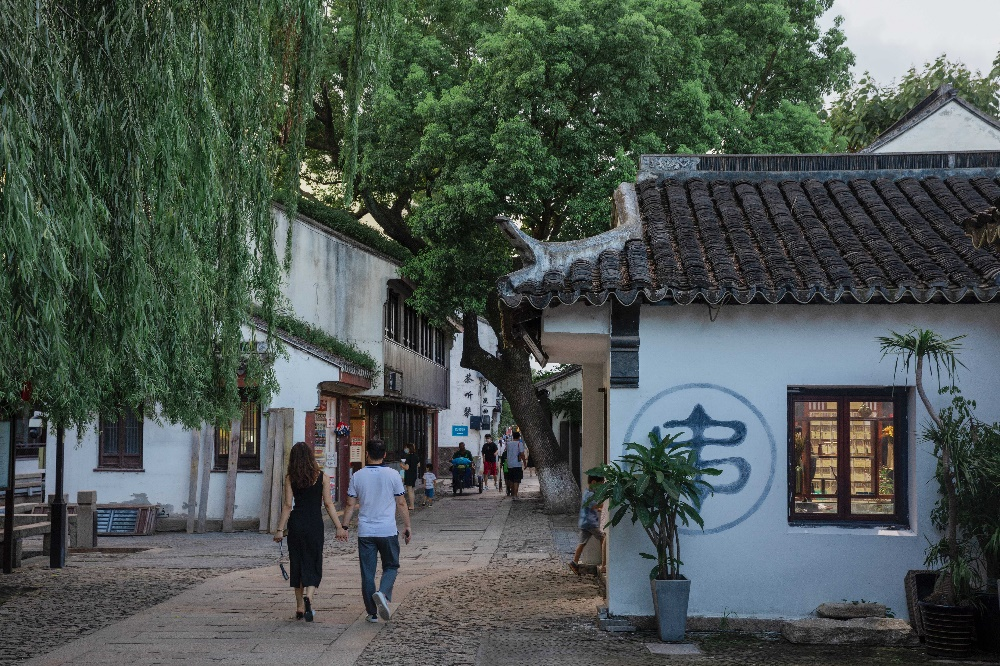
pixel 249 453
pixel 120 442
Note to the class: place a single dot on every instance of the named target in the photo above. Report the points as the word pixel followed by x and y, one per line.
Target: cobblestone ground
pixel 528 608
pixel 42 609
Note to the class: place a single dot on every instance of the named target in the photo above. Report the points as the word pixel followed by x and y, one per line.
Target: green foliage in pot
pixel 661 487
pixel 975 457
pixel 968 455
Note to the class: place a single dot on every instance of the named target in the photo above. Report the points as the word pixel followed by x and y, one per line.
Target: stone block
pixel 86 497
pixel 879 631
pixel 849 611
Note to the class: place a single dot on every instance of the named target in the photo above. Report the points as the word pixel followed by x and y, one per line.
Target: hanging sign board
pixel 6 459
pixel 460 431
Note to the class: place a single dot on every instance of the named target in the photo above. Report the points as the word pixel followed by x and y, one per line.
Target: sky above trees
pixel 890 36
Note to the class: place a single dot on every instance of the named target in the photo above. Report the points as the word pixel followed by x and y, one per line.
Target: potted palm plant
pixel 659 486
pixel 947 614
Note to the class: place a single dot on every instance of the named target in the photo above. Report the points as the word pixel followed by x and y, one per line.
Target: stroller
pixel 463 476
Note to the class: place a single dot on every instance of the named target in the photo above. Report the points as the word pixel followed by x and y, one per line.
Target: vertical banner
pixel 319 434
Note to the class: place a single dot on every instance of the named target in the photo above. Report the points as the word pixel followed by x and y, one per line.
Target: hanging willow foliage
pixel 140 144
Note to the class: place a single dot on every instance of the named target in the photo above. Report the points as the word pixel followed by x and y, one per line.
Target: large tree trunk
pixel 510 371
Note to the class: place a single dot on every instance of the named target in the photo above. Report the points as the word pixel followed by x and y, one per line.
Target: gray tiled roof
pixel 779 228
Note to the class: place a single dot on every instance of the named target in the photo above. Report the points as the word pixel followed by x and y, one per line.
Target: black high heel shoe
pixel 309 611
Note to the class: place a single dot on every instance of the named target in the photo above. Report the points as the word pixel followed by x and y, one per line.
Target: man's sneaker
pixel 373 619
pixel 575 567
pixel 382 605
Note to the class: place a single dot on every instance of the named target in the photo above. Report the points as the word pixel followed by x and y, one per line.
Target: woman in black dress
pixel 309 487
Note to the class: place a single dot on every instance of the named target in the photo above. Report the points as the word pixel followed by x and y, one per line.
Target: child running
pixel 429 478
pixel 590 522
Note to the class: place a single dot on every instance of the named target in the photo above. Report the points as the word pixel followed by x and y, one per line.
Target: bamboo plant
pixel 661 487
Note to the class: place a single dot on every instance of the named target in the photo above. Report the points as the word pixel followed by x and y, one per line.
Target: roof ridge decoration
pixel 883 228
pixel 984 227
pixel 544 261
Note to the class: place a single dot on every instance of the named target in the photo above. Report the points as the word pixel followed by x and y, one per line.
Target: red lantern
pixel 26 392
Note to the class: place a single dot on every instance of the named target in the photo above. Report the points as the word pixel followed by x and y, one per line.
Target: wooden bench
pixel 23 532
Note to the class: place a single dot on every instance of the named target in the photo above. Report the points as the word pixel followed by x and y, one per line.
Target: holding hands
pixel 341 533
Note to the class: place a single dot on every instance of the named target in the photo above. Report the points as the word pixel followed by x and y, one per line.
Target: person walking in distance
pixel 489 452
pixel 516 457
pixel 429 477
pixel 377 493
pixel 408 461
pixel 307 488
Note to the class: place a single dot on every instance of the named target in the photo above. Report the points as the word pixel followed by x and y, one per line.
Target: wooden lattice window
pixel 120 445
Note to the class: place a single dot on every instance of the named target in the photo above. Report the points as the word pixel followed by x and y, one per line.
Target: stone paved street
pixel 484 582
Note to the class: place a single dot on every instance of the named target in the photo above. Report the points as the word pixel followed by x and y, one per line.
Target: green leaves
pixel 140 147
pixel 868 109
pixel 660 487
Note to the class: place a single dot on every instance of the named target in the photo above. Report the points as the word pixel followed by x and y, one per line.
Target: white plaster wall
pixel 458 401
pixel 335 285
pixel 593 430
pixel 951 128
pixel 762 566
pixel 167 452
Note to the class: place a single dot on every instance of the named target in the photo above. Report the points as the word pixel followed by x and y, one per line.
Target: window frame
pixel 120 462
pixel 245 462
pixel 900 397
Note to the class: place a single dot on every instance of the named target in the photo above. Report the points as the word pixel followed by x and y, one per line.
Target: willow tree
pixel 140 143
pixel 537 110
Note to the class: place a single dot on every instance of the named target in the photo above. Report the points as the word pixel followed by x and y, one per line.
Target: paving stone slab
pixel 860 631
pixel 847 610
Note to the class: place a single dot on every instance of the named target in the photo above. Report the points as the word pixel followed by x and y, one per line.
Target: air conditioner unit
pixel 393 381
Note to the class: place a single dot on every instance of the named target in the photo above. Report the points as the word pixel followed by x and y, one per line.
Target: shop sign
pixel 357 447
pixel 460 431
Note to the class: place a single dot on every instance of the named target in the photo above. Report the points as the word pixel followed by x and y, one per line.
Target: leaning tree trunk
pixel 510 371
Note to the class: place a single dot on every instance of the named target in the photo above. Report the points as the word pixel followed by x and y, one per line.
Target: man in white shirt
pixel 515 460
pixel 379 492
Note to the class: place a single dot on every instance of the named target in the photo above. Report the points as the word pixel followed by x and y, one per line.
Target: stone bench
pixel 22 532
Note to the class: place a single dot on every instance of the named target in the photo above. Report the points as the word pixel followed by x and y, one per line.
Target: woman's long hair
pixel 302 467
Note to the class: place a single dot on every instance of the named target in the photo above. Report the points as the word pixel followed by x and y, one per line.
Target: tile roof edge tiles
pixel 311 349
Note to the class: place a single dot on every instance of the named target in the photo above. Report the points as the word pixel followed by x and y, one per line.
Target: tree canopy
pixel 538 109
pixel 869 108
pixel 139 147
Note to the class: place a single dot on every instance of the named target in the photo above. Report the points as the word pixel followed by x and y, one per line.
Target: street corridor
pixel 485 581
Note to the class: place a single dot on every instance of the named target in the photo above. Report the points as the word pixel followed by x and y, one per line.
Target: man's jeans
pixel 369 548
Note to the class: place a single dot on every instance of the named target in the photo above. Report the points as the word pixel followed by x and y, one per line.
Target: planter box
pixel 670 599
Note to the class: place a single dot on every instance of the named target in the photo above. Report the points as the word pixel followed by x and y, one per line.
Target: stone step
pixel 880 631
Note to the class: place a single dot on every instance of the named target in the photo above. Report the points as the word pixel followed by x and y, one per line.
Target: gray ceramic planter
pixel 670 599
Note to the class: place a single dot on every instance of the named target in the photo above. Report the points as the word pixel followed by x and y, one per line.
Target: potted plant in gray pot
pixel 660 487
